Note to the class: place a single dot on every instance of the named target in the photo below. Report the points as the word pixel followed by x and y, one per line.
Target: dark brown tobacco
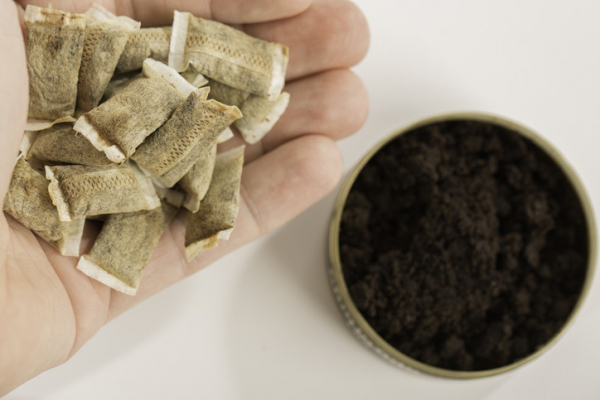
pixel 464 245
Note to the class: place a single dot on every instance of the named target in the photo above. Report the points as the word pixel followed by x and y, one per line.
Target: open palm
pixel 48 309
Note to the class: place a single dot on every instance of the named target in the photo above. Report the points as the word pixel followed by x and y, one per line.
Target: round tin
pixel 354 318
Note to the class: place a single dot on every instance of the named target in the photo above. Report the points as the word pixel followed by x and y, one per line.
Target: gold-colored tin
pixel 360 326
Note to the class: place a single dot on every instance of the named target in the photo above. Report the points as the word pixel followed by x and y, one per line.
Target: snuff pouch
pixel 124 247
pixel 259 113
pixel 144 43
pixel 61 144
pixel 219 209
pixel 28 201
pixel 120 82
pixel 196 182
pixel 78 191
pixel 228 55
pixel 121 124
pixel 169 153
pixel 105 38
pixel 54 45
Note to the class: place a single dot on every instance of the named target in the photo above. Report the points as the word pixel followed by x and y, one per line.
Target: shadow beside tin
pixel 354 318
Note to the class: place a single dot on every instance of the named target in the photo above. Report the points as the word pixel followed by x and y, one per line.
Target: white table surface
pixel 262 323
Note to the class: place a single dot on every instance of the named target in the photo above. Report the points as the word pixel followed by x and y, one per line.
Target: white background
pixel 262 323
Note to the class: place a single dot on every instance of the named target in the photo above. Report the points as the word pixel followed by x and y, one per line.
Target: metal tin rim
pixel 354 316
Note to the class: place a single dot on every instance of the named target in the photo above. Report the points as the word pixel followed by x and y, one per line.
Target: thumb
pixel 13 90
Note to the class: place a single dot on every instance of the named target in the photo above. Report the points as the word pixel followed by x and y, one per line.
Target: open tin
pixel 361 328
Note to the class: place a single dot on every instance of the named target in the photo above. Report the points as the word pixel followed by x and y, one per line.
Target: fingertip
pixel 347 38
pixel 356 21
pixel 333 103
pixel 356 103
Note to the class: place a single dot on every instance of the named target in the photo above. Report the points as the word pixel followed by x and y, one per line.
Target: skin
pixel 48 309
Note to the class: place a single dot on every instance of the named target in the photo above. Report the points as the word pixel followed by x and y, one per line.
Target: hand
pixel 48 309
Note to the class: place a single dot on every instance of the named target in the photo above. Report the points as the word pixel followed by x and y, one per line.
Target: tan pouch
pixel 142 44
pixel 28 201
pixel 54 44
pixel 124 247
pixel 197 181
pixel 34 125
pixel 120 82
pixel 121 124
pixel 105 38
pixel 259 113
pixel 228 55
pixel 171 196
pixel 61 144
pixel 226 94
pixel 225 135
pixel 170 178
pixel 80 190
pixel 197 122
pixel 194 77
pixel 219 208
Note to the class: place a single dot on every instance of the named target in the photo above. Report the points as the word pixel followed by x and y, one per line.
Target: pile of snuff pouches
pixel 123 127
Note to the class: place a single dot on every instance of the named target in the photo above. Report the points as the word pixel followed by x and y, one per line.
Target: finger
pixel 330 34
pixel 160 12
pixel 275 188
pixel 13 90
pixel 334 103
